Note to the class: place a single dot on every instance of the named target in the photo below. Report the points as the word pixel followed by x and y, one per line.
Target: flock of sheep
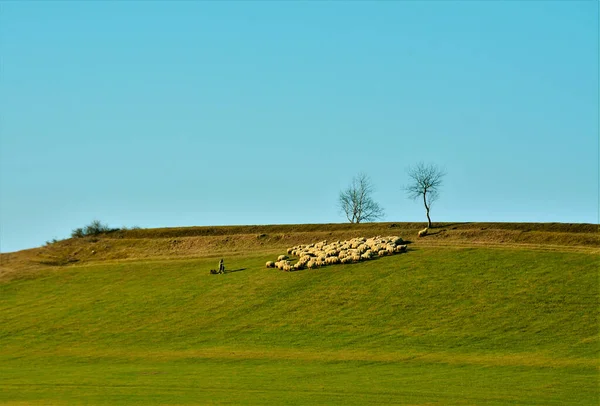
pixel 338 252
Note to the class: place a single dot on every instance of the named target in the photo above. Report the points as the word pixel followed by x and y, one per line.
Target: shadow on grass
pixel 235 270
pixel 447 225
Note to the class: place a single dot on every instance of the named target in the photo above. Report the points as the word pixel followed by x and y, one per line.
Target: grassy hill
pixel 473 314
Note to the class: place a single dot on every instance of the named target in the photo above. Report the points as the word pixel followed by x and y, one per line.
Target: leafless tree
pixel 426 183
pixel 356 201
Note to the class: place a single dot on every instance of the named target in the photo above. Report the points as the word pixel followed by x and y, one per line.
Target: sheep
pixel 282 264
pixel 423 232
pixel 400 248
pixel 353 250
pixel 304 259
pixel 366 255
pixel 332 260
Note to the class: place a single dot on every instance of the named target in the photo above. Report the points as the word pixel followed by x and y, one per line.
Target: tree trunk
pixel 427 209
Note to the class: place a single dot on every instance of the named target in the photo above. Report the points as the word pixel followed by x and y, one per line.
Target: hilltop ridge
pixel 207 241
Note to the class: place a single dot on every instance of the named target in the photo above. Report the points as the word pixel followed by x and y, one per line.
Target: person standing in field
pixel 221 266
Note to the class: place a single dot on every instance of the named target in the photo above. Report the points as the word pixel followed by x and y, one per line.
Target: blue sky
pixel 161 114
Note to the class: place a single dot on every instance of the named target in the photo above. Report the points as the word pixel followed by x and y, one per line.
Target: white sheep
pixel 332 253
pixel 304 259
pixel 347 251
pixel 332 260
pixel 400 248
pixel 270 264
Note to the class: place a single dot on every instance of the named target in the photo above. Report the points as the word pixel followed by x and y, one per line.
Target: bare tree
pixel 426 182
pixel 356 201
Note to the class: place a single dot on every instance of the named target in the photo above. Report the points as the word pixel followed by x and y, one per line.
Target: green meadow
pixel 443 324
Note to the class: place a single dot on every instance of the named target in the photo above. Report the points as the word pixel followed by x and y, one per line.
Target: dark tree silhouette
pixel 356 201
pixel 426 183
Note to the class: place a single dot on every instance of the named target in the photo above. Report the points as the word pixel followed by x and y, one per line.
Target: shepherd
pixel 221 266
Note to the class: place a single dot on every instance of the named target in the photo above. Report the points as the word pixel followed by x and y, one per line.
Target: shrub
pixel 51 242
pixel 94 228
pixel 77 233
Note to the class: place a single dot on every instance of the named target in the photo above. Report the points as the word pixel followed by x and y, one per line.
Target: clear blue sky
pixel 162 114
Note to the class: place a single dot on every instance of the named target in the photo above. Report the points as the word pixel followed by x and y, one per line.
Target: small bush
pixel 77 233
pixel 51 242
pixel 94 228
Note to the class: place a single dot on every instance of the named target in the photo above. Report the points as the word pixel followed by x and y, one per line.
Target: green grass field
pixel 444 323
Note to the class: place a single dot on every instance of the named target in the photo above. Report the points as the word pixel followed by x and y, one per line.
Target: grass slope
pixel 441 324
pixel 192 242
